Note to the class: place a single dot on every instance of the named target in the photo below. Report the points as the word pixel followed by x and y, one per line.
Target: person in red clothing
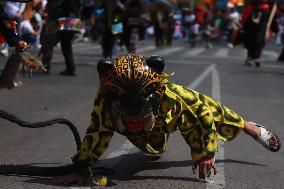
pixel 201 15
pixel 254 23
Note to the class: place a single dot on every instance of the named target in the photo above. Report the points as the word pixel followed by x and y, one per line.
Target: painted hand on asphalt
pixel 205 165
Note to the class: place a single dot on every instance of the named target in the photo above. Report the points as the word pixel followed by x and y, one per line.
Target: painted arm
pixel 198 128
pixel 97 137
pixel 195 120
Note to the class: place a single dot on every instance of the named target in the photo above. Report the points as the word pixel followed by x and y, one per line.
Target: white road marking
pixel 116 156
pixel 216 90
pixel 124 149
pixel 201 77
pixel 146 49
pixel 219 178
pixel 194 51
pixel 222 52
pixel 91 47
pixel 271 54
pixel 168 51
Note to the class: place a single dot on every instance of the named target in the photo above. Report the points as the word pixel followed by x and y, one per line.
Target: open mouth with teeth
pixel 133 114
pixel 134 125
pixel 137 127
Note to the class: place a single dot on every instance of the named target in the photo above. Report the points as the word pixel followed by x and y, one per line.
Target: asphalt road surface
pixel 254 93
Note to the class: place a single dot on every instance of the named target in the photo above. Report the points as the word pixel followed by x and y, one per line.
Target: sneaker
pixel 4 52
pixel 67 73
pixel 230 45
pixel 86 39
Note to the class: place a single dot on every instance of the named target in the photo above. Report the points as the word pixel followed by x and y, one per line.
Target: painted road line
pixel 219 178
pixel 86 48
pixel 193 51
pixel 126 148
pixel 169 51
pixel 222 52
pixel 146 49
pixel 201 77
pixel 271 54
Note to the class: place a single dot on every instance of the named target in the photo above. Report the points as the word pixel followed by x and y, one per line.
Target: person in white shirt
pixel 189 19
pixel 14 9
pixel 27 31
pixel 233 22
pixel 194 33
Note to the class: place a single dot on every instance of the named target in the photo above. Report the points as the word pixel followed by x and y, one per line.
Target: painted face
pixel 132 86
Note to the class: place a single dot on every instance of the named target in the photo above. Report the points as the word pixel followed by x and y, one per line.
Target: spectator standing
pixel 8 30
pixel 51 35
pixel 194 33
pixel 132 21
pixel 170 27
pixel 202 15
pixel 159 13
pixel 112 14
pixel 254 21
pixel 29 31
pixel 208 33
pixel 88 8
pixel 189 19
pixel 280 21
pixel 38 22
pixel 12 11
pixel 233 24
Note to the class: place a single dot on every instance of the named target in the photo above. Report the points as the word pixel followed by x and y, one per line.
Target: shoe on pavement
pixel 67 73
pixel 4 52
pixel 230 45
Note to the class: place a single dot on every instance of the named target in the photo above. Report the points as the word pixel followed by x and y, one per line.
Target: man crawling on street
pixel 136 99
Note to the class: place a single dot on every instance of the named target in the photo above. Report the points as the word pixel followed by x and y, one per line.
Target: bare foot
pixel 267 138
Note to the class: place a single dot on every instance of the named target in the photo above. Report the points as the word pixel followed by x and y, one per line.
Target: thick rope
pixel 14 119
pixel 34 170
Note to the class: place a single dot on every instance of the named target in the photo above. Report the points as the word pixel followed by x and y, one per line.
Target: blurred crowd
pixel 122 23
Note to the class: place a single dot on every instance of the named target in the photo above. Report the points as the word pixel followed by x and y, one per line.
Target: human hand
pixel 71 179
pixel 205 165
pixel 22 45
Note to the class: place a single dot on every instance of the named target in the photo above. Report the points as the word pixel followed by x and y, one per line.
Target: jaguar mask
pixel 132 86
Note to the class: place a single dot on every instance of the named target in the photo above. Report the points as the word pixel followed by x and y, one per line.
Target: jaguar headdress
pixel 132 84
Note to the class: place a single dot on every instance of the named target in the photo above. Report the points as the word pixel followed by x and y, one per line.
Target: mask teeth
pixel 145 112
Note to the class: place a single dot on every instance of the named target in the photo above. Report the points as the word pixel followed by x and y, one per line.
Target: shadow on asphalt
pixel 131 164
